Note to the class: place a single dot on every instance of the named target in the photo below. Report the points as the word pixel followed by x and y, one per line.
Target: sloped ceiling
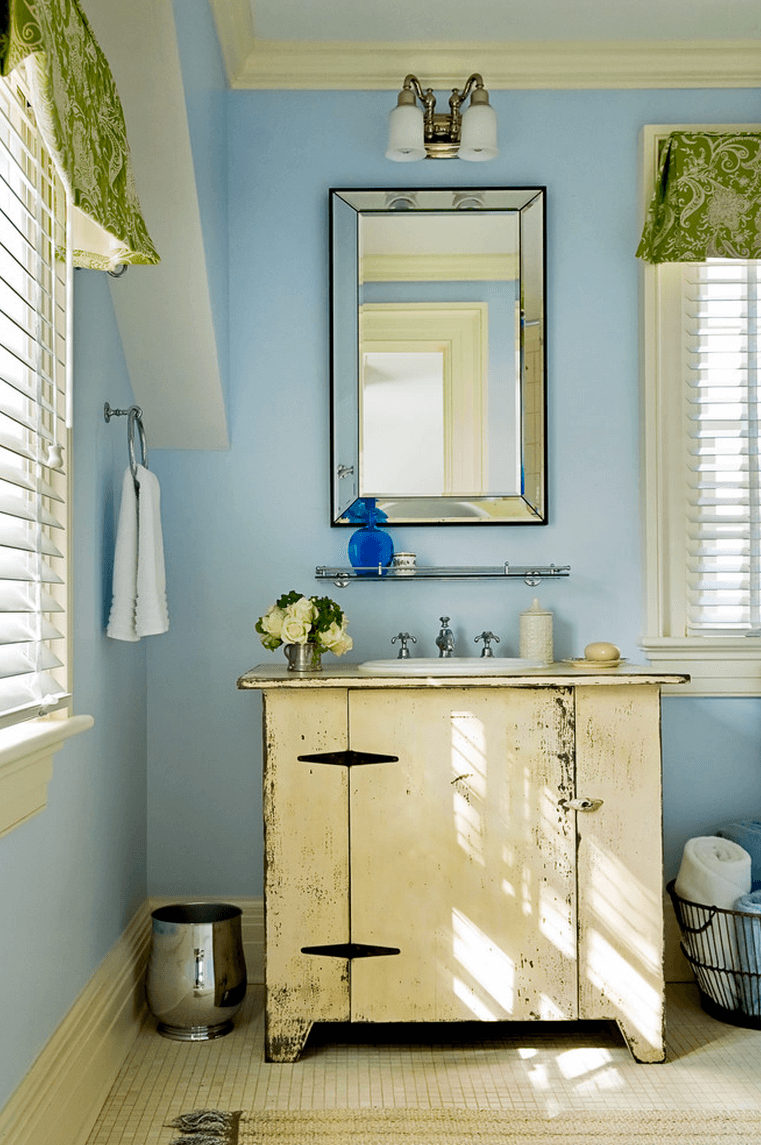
pixel 363 45
pixel 164 313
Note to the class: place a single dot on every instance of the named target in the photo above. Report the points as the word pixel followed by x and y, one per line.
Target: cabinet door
pixel 618 760
pixel 460 856
pixel 306 866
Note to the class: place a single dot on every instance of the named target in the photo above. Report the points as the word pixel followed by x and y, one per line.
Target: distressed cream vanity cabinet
pixel 483 848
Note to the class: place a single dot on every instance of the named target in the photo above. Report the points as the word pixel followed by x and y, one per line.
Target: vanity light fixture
pixel 419 133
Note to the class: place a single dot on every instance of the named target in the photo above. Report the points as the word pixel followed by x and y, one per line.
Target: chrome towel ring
pixel 134 417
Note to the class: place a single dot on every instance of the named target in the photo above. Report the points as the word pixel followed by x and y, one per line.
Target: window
pixel 33 488
pixel 702 469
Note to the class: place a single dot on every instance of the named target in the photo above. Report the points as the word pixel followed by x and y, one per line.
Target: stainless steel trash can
pixel 196 977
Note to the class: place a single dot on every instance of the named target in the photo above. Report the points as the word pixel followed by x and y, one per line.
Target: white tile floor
pixel 711 1066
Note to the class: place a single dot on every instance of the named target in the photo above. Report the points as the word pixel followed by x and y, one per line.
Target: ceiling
pixel 503 20
pixel 361 44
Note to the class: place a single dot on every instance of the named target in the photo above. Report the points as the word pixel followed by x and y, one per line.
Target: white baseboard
pixel 61 1096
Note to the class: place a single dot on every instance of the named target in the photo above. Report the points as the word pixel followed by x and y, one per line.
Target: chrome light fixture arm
pixel 442 132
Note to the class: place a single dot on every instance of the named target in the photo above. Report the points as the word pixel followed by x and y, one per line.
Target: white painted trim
pixel 60 1097
pixel 717 666
pixel 509 65
pixel 439 267
pixel 26 765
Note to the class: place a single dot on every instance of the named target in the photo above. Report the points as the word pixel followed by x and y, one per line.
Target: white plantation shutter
pixel 33 511
pixel 721 328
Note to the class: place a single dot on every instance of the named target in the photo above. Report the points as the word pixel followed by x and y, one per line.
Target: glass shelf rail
pixel 531 574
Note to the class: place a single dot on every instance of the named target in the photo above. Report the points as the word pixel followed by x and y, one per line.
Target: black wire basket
pixel 723 947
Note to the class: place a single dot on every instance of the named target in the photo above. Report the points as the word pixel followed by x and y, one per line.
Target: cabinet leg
pixel 284 1038
pixel 642 1049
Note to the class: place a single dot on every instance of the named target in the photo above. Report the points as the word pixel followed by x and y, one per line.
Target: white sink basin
pixel 445 666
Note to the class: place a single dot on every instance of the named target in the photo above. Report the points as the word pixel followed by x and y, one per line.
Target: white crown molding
pixel 513 65
pixel 235 31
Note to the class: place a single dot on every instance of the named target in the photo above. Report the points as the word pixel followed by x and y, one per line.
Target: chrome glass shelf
pixel 531 574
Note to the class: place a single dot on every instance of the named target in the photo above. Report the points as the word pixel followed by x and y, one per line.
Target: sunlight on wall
pixel 489 966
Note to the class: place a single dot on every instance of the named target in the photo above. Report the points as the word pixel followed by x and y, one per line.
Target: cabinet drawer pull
pixel 582 804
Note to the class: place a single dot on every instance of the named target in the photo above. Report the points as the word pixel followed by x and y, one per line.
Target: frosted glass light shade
pixel 478 135
pixel 405 134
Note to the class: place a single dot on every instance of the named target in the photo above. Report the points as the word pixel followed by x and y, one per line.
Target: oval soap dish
pixel 582 662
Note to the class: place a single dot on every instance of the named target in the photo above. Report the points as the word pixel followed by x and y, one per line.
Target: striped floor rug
pixel 461 1127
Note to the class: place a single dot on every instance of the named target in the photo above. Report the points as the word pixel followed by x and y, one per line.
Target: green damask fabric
pixel 79 114
pixel 707 200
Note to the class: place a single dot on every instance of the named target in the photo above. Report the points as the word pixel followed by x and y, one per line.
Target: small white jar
pixel 404 563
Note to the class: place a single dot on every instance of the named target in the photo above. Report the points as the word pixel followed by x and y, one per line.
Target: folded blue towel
pixel 747 834
pixel 748 934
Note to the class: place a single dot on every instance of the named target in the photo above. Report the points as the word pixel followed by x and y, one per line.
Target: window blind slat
pixel 33 325
pixel 721 343
pixel 19 596
pixel 27 659
pixel 21 628
pixel 17 565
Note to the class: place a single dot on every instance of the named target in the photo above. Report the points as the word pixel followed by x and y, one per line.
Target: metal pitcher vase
pixel 304 657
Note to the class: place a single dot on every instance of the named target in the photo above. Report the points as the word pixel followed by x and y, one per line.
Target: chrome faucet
pixel 403 638
pixel 487 638
pixel 445 638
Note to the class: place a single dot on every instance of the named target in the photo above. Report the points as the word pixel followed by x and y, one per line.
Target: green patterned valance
pixel 79 114
pixel 707 200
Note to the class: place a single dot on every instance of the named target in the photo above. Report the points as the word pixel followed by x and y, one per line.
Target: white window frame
pixel 27 747
pixel 717 665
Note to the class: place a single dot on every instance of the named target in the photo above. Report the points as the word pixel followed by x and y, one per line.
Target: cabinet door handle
pixel 582 804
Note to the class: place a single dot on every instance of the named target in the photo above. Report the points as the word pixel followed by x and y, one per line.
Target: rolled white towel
pixel 713 871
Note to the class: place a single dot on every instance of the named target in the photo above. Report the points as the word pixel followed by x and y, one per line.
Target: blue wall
pixel 244 526
pixel 73 876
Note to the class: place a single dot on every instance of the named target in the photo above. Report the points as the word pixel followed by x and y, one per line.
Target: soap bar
pixel 602 650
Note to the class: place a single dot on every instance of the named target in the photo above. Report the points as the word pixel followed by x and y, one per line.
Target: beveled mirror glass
pixel 438 358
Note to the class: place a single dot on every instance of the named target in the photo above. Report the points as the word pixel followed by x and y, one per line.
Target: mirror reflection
pixel 438 354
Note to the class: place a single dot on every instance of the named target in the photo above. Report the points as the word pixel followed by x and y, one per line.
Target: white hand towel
pixel 151 614
pixel 713 871
pixel 121 620
pixel 139 606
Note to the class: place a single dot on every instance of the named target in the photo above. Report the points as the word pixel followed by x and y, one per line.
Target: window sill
pixel 26 765
pixel 717 666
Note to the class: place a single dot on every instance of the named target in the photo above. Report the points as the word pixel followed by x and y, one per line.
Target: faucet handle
pixel 487 638
pixel 403 638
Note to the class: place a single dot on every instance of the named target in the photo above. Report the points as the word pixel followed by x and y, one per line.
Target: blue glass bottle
pixel 371 550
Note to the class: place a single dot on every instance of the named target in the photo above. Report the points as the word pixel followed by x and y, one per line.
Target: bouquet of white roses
pixel 297 619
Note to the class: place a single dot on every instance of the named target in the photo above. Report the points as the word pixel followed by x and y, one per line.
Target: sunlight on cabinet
pixel 484 849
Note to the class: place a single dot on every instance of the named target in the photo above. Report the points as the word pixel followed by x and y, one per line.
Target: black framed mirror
pixel 438 354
